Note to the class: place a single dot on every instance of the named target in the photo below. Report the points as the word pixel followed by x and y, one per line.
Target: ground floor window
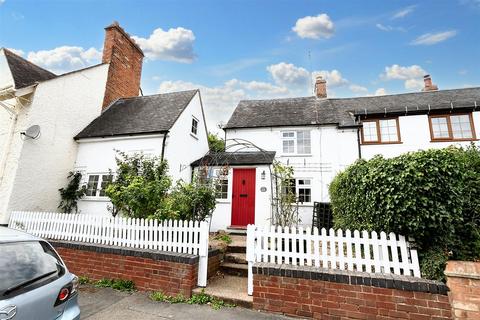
pixel 301 188
pixel 97 183
pixel 221 186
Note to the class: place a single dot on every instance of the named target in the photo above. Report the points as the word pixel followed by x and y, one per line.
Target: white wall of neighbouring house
pixel 61 107
pixel 97 156
pixel 182 147
pixel 332 149
pixel 415 135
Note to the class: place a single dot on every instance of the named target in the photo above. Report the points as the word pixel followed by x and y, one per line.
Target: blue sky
pixel 235 50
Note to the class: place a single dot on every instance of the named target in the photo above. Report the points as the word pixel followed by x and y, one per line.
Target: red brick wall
pixel 463 280
pixel 125 58
pixel 149 275
pixel 214 260
pixel 332 300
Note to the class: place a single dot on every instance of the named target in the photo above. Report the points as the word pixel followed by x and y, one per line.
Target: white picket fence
pixel 365 252
pixel 189 237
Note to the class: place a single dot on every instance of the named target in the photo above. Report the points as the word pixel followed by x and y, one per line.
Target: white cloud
pixel 404 12
pixel 176 44
pixel 320 26
pixel 411 75
pixel 358 89
pixel 17 51
pixel 334 78
pixel 380 92
pixel 388 28
pixel 429 39
pixel 288 74
pixel 220 101
pixel 65 58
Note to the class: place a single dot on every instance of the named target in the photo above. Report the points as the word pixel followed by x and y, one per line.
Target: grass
pixel 197 298
pixel 83 280
pixel 117 284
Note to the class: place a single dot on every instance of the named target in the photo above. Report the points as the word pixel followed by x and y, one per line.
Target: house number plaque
pixel 263 189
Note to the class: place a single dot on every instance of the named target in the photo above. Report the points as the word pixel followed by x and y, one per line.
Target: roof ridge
pixel 159 94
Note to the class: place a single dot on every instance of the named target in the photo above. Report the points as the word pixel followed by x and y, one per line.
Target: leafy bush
pixel 140 186
pixel 72 193
pixel 216 143
pixel 432 196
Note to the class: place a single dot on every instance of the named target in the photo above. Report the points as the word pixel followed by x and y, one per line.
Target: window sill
pixel 295 155
pixel 222 201
pixel 194 136
pixel 453 140
pixel 378 143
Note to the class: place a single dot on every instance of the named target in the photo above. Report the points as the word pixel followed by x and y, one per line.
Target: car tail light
pixel 67 291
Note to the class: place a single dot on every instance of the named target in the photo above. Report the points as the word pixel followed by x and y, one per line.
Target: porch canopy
pixel 235 158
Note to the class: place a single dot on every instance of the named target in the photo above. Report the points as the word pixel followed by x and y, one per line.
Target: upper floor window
pixel 97 183
pixel 298 142
pixel 194 128
pixel 451 127
pixel 381 131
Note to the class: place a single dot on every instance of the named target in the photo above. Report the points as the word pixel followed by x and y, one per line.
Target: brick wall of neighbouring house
pixel 170 273
pixel 463 280
pixel 331 294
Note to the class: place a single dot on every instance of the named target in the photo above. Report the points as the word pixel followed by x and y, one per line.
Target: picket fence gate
pixel 364 252
pixel 189 237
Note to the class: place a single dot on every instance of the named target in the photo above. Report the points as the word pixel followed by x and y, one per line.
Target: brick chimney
pixel 320 87
pixel 429 86
pixel 125 58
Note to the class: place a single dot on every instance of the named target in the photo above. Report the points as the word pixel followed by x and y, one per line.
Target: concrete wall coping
pixel 133 252
pixel 389 281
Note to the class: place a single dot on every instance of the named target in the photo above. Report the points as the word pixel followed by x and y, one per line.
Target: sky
pixel 234 50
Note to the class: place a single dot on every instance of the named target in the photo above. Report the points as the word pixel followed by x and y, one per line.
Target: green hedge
pixel 433 196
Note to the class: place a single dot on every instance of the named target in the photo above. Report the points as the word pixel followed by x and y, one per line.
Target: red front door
pixel 243 197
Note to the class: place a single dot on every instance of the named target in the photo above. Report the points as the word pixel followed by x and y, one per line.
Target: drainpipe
pixel 359 144
pixel 163 144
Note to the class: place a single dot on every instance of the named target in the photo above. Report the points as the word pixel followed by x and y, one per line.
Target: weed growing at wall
pixel 198 298
pixel 117 284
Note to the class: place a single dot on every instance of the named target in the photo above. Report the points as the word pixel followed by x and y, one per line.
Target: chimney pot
pixel 429 86
pixel 320 87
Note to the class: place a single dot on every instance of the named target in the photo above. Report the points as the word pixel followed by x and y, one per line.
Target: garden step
pixel 238 258
pixel 234 269
pixel 238 244
pixel 230 289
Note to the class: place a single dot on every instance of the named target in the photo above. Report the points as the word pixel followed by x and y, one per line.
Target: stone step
pixel 236 249
pixel 239 258
pixel 237 231
pixel 234 269
pixel 230 289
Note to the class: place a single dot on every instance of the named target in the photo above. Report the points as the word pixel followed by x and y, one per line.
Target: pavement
pixel 105 303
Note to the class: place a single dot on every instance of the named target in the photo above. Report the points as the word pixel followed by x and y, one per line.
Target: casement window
pixel 194 128
pixel 296 142
pixel 221 183
pixel 301 188
pixel 452 127
pixel 97 183
pixel 381 131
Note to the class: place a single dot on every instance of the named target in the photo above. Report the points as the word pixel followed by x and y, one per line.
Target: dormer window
pixel 380 131
pixel 194 128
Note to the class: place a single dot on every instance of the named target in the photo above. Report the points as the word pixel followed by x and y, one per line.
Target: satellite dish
pixel 33 132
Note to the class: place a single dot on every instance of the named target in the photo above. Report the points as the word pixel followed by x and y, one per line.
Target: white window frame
pixel 293 137
pixel 223 177
pixel 304 186
pixel 194 120
pixel 98 188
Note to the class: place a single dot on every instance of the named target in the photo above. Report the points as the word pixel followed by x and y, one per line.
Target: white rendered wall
pixel 331 151
pixel 182 148
pixel 97 156
pixel 415 135
pixel 62 107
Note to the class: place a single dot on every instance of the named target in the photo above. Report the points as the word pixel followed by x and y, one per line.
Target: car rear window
pixel 23 261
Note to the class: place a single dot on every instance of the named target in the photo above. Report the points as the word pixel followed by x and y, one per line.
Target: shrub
pixel 215 143
pixel 72 193
pixel 432 196
pixel 140 186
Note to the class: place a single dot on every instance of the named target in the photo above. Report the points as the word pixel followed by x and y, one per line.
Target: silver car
pixel 34 281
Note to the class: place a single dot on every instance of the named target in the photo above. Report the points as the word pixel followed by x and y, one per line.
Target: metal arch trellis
pixel 234 147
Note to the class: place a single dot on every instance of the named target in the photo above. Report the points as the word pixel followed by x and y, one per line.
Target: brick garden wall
pixel 331 294
pixel 463 280
pixel 171 273
pixel 214 260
